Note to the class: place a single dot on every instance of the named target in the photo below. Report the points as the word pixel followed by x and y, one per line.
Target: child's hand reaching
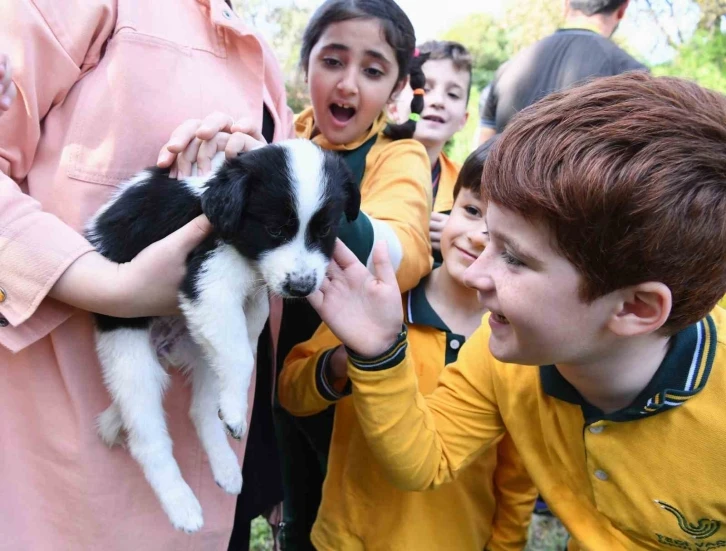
pixel 362 309
pixel 436 226
pixel 7 86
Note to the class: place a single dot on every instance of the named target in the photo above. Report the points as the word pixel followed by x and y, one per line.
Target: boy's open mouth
pixel 434 118
pixel 341 113
pixel 500 318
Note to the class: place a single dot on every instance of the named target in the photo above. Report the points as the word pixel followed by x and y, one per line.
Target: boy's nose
pixel 478 238
pixel 434 98
pixel 477 275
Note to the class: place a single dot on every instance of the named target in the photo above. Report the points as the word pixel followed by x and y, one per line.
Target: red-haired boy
pixel 607 256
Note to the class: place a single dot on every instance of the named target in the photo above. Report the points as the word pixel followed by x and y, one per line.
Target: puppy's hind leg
pixel 203 412
pixel 136 382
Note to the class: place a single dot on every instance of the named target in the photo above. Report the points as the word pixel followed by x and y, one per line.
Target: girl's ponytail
pixel 417 81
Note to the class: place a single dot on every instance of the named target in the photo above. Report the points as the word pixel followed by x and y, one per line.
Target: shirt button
pixel 3 295
pixel 601 475
pixel 454 344
pixel 4 322
pixel 597 429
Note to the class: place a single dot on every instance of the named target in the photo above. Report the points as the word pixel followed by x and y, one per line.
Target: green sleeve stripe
pixel 358 236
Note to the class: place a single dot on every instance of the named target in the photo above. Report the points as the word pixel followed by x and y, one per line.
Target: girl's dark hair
pixel 399 33
pixel 417 80
pixel 397 27
pixel 470 175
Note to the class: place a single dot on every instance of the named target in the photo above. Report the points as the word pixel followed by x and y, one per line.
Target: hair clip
pixel 414 117
pixel 416 52
pixel 419 92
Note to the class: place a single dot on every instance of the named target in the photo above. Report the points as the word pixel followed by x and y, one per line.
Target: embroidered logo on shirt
pixel 704 528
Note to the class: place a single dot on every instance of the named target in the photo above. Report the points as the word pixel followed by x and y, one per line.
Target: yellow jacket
pixel 395 195
pixel 360 509
pixel 444 201
pixel 650 476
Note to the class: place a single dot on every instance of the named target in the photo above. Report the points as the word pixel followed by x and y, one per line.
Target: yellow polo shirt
pixel 444 200
pixel 651 476
pixel 489 506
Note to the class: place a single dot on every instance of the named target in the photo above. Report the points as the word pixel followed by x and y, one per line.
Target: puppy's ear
pixel 352 194
pixel 225 198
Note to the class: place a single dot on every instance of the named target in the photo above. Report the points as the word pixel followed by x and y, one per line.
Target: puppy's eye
pixel 324 231
pixel 274 231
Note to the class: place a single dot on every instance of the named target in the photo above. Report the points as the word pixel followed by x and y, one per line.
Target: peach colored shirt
pixel 101 85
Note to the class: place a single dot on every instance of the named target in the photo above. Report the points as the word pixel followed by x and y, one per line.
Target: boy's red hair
pixel 629 172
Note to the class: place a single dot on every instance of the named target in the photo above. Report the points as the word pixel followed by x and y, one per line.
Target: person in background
pixel 579 50
pixel 446 96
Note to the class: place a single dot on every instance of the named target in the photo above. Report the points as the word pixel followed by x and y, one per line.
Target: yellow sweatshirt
pixel 444 200
pixel 395 196
pixel 650 476
pixel 360 508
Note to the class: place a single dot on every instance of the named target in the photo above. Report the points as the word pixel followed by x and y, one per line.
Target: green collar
pixel 419 311
pixel 682 374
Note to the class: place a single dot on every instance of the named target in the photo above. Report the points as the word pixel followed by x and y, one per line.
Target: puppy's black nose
pixel 299 287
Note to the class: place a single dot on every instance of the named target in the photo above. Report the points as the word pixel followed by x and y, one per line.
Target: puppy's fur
pixel 275 213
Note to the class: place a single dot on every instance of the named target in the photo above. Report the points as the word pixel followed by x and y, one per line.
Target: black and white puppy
pixel 275 213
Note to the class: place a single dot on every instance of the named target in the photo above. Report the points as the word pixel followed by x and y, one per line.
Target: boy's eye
pixel 454 96
pixel 512 260
pixel 474 211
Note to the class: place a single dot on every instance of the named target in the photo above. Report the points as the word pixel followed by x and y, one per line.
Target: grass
pixel 545 534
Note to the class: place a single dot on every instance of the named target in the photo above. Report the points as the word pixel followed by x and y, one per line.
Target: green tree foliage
pixel 487 41
pixel 527 21
pixel 699 49
pixel 701 59
pixel 290 24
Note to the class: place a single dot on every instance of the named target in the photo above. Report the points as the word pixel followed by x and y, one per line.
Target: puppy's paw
pixel 183 509
pixel 236 426
pixel 109 426
pixel 228 477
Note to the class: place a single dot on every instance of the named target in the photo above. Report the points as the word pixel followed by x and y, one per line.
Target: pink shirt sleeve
pixel 48 57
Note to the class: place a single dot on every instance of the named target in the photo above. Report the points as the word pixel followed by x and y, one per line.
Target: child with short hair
pixel 607 255
pixel 446 93
pixel 491 503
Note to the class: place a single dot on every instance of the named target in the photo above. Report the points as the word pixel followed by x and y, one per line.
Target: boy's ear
pixel 643 309
pixel 224 199
pixel 464 120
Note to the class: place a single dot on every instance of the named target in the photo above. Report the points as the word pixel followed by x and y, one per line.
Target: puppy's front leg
pixel 212 301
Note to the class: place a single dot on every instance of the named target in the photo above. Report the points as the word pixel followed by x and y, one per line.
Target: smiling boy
pixel 604 353
pixel 446 96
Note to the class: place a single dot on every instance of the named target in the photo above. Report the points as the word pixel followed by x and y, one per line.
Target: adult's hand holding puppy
pixel 196 142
